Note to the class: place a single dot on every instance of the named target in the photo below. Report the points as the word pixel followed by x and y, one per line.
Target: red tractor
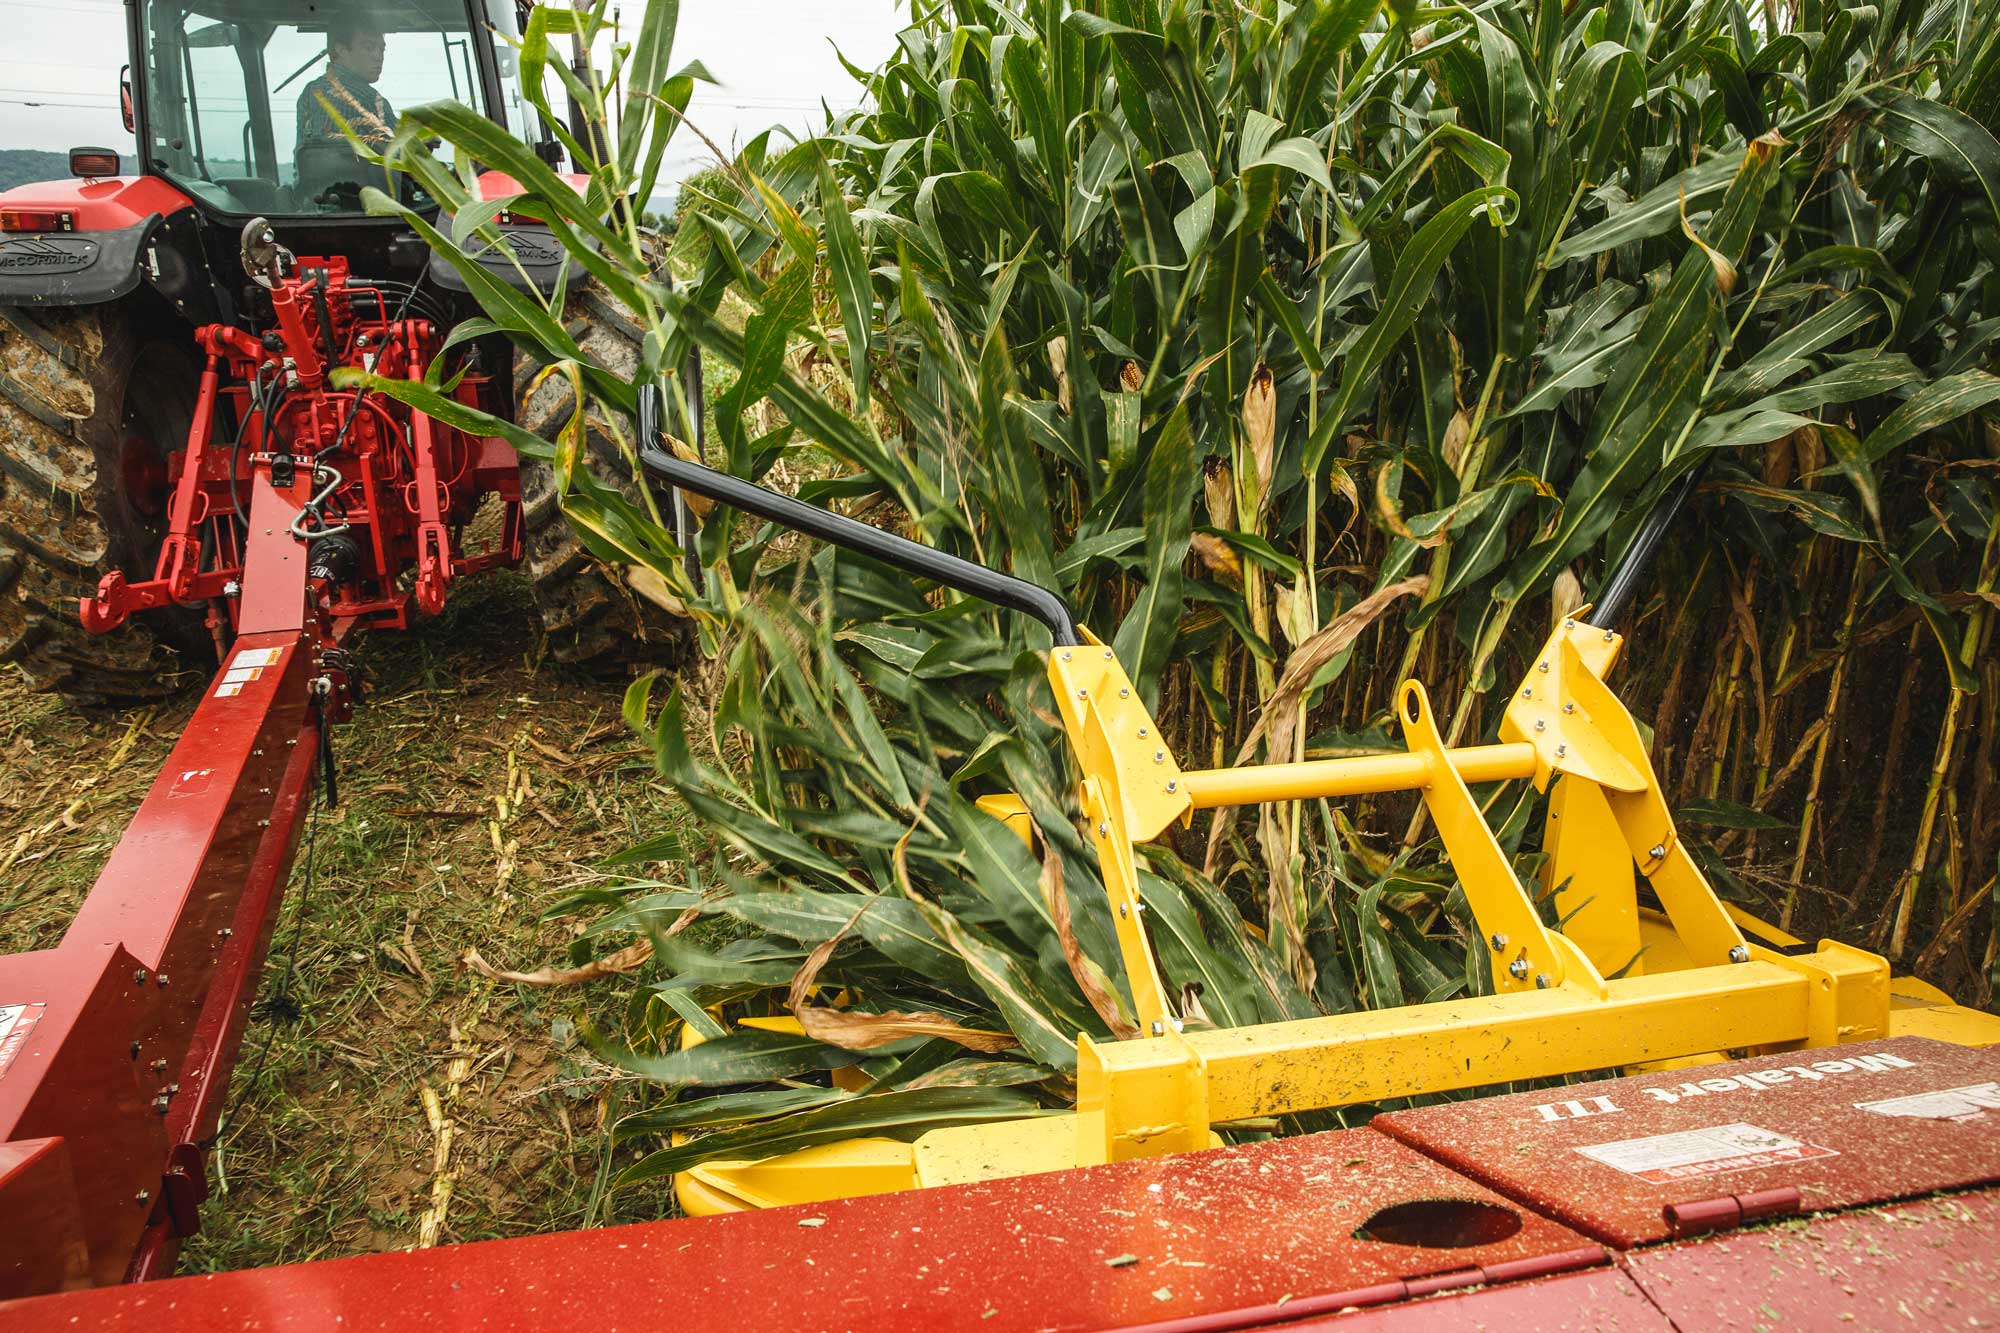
pixel 183 481
pixel 167 352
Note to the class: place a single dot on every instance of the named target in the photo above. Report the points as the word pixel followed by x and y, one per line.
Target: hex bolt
pixel 139 977
pixel 159 1066
pixel 1159 1028
pixel 173 1089
pixel 1083 694
pixel 1561 751
pixel 1123 910
pixel 1609 636
pixel 1543 667
pixel 1657 851
pixel 1159 756
pixel 1107 654
pixel 1739 953
pixel 1124 693
pixel 162 979
pixel 231 588
pixel 1103 828
pixel 1142 733
pixel 1569 624
pixel 1173 785
pixel 225 932
pixel 1569 708
pixel 1527 693
pixel 1518 969
pixel 1498 941
pixel 142 1197
pixel 1541 981
pixel 1065 654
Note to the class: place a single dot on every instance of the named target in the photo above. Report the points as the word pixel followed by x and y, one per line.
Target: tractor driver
pixel 354 47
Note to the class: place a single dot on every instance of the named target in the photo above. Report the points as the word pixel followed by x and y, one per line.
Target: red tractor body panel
pixel 112 203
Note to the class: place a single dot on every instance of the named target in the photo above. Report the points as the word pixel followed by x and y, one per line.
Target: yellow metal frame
pixel 1621 985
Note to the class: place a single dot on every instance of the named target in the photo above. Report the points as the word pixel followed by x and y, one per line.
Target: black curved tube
pixel 1624 580
pixel 924 562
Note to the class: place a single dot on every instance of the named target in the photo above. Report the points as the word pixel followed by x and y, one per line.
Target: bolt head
pixel 1124 693
pixel 1142 731
pixel 1544 666
pixel 1159 1028
pixel 1541 981
pixel 1569 624
pixel 1498 941
pixel 139 977
pixel 1083 694
pixel 142 1197
pixel 1518 969
pixel 1657 851
pixel 1569 708
pixel 1173 786
pixel 1103 828
pixel 1561 750
pixel 1740 954
pixel 1527 694
pixel 1159 756
pixel 1609 636
pixel 1065 654
pixel 1107 654
pixel 1541 725
pixel 1123 910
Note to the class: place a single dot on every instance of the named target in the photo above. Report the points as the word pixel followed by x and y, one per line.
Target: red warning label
pixel 16 1022
pixel 1663 1159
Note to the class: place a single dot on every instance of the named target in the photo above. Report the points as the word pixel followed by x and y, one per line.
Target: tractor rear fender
pixel 104 237
pixel 536 252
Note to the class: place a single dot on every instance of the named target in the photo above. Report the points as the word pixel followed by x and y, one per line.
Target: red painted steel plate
pixel 1846 1126
pixel 1930 1263
pixel 1206 1233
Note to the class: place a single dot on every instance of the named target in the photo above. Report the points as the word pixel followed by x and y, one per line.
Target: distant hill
pixel 19 166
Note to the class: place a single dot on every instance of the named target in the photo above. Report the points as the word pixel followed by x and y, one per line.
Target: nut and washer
pixel 1739 953
pixel 1518 969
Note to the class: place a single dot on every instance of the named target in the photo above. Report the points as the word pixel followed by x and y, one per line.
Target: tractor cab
pixel 246 105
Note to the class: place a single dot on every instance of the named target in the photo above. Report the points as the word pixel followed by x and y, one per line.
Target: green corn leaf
pixel 903 1115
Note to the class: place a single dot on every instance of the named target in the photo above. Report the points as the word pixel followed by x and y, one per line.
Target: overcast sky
pixel 774 60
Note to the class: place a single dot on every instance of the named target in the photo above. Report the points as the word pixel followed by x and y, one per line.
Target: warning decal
pixel 245 667
pixel 16 1022
pixel 1971 1102
pixel 1666 1158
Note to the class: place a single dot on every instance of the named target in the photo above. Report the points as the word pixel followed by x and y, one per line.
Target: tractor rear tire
pixel 594 618
pixel 90 407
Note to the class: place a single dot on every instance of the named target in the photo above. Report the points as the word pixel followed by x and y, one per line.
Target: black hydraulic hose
pixel 1645 545
pixel 915 558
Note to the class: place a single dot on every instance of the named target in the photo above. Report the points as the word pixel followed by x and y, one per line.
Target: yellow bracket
pixel 1697 989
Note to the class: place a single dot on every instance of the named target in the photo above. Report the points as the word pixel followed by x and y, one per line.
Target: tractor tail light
pixel 35 219
pixel 93 163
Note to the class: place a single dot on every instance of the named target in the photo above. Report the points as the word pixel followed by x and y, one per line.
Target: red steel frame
pixel 116 1046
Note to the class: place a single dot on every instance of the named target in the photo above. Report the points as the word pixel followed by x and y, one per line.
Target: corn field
pixel 1304 348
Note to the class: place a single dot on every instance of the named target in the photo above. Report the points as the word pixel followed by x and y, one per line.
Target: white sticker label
pixel 1665 1158
pixel 16 1022
pixel 1971 1102
pixel 249 664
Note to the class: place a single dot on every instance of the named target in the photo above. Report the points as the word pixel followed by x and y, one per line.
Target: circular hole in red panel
pixel 1440 1224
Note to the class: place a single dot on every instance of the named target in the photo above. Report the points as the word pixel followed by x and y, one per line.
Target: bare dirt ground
pixel 479 787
